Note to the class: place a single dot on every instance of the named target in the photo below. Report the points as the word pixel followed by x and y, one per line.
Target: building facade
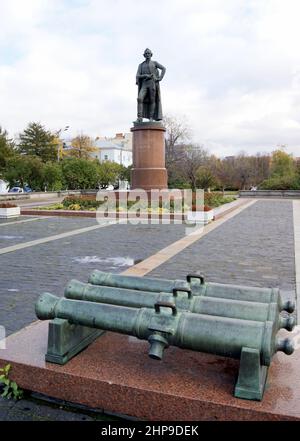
pixel 117 149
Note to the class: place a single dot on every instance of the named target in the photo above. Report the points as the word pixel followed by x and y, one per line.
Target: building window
pixel 105 157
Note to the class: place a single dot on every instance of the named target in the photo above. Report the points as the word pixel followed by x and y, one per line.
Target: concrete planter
pixel 9 212
pixel 200 217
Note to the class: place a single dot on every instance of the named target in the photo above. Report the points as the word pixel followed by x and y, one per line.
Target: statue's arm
pixel 163 70
pixel 140 76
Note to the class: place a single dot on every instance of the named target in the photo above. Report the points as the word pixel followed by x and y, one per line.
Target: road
pixel 29 203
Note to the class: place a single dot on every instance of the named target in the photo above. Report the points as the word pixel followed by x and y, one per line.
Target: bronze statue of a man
pixel 147 79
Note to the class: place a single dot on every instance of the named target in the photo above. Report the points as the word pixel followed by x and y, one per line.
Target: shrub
pixel 281 183
pixel 85 202
pixel 51 207
pixel 215 199
pixel 75 207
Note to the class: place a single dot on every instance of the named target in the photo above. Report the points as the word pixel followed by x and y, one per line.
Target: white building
pixel 117 149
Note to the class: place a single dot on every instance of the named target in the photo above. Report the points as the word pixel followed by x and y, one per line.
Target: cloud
pixel 233 68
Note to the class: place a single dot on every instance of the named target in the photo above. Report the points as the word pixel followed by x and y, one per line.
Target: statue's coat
pixel 146 108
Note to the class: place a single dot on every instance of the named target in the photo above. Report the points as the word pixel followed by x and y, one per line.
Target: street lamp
pixel 58 134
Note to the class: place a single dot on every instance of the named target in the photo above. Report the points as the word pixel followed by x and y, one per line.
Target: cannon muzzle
pixel 45 306
pixel 196 284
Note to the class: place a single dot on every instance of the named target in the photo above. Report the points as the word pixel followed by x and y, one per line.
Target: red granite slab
pixel 116 374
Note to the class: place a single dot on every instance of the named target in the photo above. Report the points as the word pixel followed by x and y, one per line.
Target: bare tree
pixel 194 157
pixel 178 132
pixel 223 170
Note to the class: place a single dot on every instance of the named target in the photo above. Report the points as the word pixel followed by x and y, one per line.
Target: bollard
pixel 253 342
pixel 183 300
pixel 196 283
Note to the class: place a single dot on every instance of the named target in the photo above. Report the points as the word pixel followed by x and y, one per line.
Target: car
pixel 27 189
pixel 16 190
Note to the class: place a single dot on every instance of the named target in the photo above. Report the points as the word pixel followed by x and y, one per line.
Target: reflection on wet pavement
pixel 112 262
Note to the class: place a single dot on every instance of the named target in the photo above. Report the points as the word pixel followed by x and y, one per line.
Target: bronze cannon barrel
pixel 183 300
pixel 164 326
pixel 197 285
pixel 132 282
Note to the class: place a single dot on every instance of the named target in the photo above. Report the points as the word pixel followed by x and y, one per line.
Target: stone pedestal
pixel 149 171
pixel 115 374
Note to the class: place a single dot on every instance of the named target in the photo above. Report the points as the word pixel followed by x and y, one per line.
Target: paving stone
pixel 48 267
pixel 25 232
pixel 16 219
pixel 49 413
pixel 6 403
pixel 30 409
pixel 255 248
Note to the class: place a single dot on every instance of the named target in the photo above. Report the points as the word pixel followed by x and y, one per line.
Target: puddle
pixel 11 237
pixel 111 262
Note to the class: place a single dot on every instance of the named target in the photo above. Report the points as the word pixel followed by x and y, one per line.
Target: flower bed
pixel 8 210
pixel 89 203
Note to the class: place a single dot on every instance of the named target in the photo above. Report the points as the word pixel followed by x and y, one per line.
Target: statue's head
pixel 147 54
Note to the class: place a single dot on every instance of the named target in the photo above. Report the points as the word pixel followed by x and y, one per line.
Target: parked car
pixel 16 190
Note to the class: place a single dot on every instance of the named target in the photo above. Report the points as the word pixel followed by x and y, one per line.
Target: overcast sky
pixel 233 67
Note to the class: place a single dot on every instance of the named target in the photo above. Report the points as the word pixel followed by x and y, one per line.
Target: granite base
pixel 115 374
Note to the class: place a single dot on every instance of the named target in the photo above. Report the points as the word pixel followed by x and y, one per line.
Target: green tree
pixel 37 141
pixel 125 174
pixel 109 173
pixel 6 148
pixel 79 173
pixel 282 164
pixel 24 170
pixel 52 176
pixel 284 173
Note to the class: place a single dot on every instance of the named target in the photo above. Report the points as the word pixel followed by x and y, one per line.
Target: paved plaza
pixel 254 247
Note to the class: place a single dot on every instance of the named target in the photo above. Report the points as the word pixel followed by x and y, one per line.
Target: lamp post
pixel 58 134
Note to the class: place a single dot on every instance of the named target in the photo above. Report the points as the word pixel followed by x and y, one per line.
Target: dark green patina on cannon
pixel 183 299
pixel 227 320
pixel 196 283
pixel 253 342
